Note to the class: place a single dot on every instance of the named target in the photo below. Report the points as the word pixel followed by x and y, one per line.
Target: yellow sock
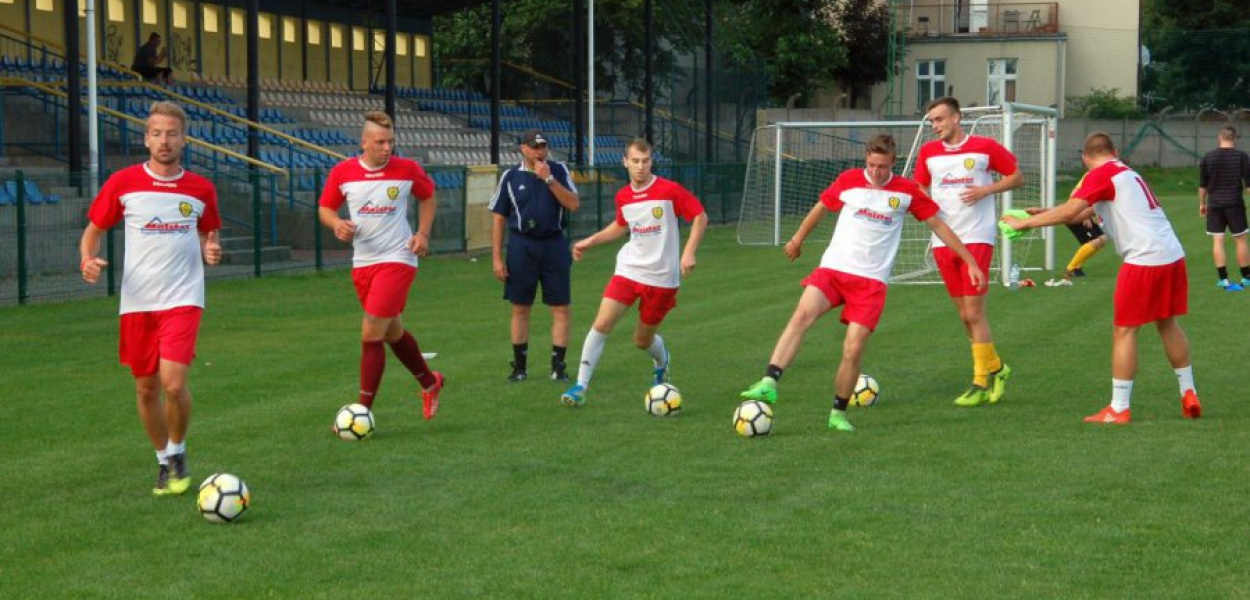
pixel 1083 253
pixel 984 360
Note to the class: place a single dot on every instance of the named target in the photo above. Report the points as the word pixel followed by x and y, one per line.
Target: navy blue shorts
pixel 531 261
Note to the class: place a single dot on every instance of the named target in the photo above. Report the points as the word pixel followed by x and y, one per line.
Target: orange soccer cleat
pixel 1190 407
pixel 1111 416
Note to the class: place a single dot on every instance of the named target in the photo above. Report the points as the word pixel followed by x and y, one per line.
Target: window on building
pixel 264 27
pixel 336 36
pixel 290 29
pixel 358 39
pixel 314 33
pixel 150 12
pixel 420 42
pixel 117 11
pixel 401 45
pixel 238 23
pixel 180 15
pixel 1001 83
pixel 44 5
pixel 930 81
pixel 379 41
pixel 210 17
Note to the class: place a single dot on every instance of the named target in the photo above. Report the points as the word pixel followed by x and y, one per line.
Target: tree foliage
pixel 865 29
pixel 793 42
pixel 1200 52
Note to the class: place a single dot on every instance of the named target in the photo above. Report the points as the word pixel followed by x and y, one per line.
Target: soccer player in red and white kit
pixel 376 187
pixel 648 268
pixel 171 221
pixel 1152 286
pixel 855 269
pixel 955 170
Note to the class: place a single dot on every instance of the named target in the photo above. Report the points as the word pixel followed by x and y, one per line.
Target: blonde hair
pixel 380 119
pixel 166 108
pixel 640 145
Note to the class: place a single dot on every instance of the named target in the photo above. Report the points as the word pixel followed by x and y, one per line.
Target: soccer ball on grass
pixel 354 422
pixel 663 400
pixel 753 418
pixel 866 391
pixel 223 498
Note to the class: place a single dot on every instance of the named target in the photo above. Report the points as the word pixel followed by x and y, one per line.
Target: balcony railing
pixel 964 17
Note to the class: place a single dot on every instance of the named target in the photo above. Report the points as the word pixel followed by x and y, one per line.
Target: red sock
pixel 409 353
pixel 372 363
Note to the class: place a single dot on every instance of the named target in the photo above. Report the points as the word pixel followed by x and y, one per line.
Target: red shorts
pixel 383 288
pixel 1148 294
pixel 955 272
pixel 864 297
pixel 656 301
pixel 147 338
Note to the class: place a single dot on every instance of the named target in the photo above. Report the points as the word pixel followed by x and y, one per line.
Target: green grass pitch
pixel 509 495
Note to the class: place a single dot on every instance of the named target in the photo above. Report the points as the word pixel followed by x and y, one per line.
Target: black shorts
pixel 1085 235
pixel 531 261
pixel 1226 218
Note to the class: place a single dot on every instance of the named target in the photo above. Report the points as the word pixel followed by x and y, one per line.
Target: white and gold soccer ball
pixel 866 391
pixel 753 418
pixel 663 400
pixel 223 498
pixel 354 422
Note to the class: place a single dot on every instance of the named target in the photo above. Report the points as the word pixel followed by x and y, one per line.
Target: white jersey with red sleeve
pixel 653 254
pixel 949 170
pixel 1131 215
pixel 164 217
pixel 377 202
pixel 870 224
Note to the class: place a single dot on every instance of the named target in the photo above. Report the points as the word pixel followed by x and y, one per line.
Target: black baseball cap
pixel 533 138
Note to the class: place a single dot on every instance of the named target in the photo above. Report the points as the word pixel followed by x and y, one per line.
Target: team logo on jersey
pixel 657 212
pixel 895 202
pixel 185 209
pixel 969 163
pixel 157 226
pixel 392 192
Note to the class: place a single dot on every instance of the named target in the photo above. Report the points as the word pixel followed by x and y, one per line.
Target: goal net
pixel 791 163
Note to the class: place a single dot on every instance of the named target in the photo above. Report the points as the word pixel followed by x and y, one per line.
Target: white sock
pixel 659 354
pixel 161 458
pixel 1185 377
pixel 592 349
pixel 1121 390
pixel 179 448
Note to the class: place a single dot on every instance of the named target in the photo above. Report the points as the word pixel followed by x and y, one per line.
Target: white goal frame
pixel 773 139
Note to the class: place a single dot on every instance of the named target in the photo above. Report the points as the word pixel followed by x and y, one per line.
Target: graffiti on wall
pixel 113 43
pixel 182 54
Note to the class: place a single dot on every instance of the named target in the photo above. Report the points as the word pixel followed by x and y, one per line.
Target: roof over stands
pixel 423 9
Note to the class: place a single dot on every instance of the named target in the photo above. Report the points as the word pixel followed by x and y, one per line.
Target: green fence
pixel 43 213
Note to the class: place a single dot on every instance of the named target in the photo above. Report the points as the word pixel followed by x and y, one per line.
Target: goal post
pixel 791 163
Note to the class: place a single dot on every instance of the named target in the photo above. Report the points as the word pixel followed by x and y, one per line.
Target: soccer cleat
pixel 1245 282
pixel 518 374
pixel 1190 407
pixel 838 421
pixel 1111 416
pixel 764 390
pixel 1077 272
pixel 1229 286
pixel 558 372
pixel 975 396
pixel 162 482
pixel 998 383
pixel 575 397
pixel 179 476
pixel 661 371
pixel 1062 282
pixel 429 398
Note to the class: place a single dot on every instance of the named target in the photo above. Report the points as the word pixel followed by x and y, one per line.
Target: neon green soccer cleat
pixel 975 396
pixel 998 383
pixel 764 390
pixel 179 476
pixel 838 422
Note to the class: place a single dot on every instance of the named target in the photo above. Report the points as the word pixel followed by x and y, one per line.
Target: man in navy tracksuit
pixel 533 202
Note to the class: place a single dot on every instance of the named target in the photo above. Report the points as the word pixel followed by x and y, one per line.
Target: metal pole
pixel 390 57
pixel 707 84
pixel 496 75
pixel 579 87
pixel 93 105
pixel 777 189
pixel 73 88
pixel 253 80
pixel 590 77
pixel 648 26
pixel 1008 142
